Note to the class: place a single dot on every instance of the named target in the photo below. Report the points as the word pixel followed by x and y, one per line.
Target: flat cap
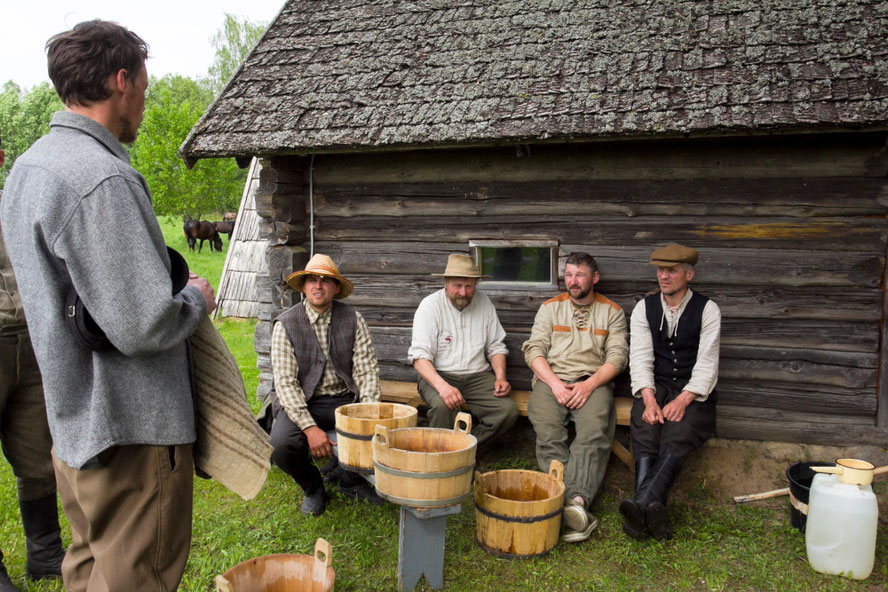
pixel 672 255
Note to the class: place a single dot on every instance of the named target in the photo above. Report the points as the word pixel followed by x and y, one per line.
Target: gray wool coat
pixel 75 213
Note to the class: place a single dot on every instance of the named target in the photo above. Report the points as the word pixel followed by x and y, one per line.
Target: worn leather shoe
pixel 362 492
pixel 578 536
pixel 574 516
pixel 315 502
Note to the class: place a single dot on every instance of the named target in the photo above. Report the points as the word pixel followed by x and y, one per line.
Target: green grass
pixel 718 546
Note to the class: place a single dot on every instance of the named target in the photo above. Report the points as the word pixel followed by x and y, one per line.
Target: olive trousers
pixel 585 460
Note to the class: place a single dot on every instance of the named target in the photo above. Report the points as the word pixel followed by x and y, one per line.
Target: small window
pixel 517 263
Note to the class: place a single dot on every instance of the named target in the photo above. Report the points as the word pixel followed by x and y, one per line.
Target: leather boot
pixel 5 582
pixel 632 509
pixel 664 473
pixel 40 519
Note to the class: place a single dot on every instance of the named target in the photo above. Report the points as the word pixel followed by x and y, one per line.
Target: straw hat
pixel 321 265
pixel 461 266
pixel 674 254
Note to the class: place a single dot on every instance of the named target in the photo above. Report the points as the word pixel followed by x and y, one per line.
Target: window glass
pixel 520 264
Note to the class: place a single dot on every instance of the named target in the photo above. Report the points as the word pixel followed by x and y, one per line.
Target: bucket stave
pixel 425 467
pixel 282 573
pixel 517 512
pixel 356 424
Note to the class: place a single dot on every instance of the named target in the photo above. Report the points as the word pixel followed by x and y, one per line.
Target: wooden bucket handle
pixel 464 418
pixel 323 555
pixel 223 585
pixel 381 435
pixel 556 470
pixel 477 482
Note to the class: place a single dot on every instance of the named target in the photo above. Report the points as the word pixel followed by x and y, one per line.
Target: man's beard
pixel 459 302
pixel 127 132
pixel 582 294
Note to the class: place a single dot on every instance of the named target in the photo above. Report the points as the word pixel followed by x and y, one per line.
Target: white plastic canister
pixel 841 532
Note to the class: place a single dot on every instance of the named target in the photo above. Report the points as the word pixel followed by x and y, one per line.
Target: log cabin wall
pixel 791 231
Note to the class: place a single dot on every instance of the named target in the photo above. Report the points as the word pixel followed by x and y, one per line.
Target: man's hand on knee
pixel 451 397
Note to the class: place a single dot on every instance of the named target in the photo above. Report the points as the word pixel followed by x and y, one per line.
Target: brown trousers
pixel 24 433
pixel 130 519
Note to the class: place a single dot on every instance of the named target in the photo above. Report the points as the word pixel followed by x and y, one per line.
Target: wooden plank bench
pixel 395 391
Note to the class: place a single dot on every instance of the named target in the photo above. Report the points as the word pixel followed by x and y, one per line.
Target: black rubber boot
pixel 664 473
pixel 5 582
pixel 40 519
pixel 632 509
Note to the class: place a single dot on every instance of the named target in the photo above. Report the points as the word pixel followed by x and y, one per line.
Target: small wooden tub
pixel 518 513
pixel 282 573
pixel 355 425
pixel 425 467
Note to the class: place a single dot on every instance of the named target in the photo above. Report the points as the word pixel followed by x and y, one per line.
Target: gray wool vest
pixel 310 358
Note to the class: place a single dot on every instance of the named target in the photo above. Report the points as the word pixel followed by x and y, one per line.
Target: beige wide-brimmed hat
pixel 459 265
pixel 321 265
pixel 674 254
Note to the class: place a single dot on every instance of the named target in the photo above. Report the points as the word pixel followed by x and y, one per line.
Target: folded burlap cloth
pixel 230 446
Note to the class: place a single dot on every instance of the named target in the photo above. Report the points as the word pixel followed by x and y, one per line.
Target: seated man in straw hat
pixel 673 360
pixel 322 358
pixel 457 339
pixel 577 346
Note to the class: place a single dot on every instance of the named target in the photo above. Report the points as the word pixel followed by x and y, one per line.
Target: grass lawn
pixel 718 546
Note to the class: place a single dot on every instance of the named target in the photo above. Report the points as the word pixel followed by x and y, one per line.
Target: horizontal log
pixel 631 264
pixel 795 397
pixel 832 155
pixel 827 234
pixel 735 301
pixel 625 198
pixel 797 427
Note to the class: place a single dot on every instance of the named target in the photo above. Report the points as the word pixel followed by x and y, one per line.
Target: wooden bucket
pixel 425 467
pixel 518 513
pixel 282 573
pixel 355 425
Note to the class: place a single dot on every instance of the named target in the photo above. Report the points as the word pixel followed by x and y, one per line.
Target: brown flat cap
pixel 672 255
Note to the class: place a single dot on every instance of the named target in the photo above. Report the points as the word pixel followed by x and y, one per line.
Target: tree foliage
pixel 173 104
pixel 24 118
pixel 232 43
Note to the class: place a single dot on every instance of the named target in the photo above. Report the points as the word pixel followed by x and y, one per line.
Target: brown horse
pixel 224 228
pixel 201 231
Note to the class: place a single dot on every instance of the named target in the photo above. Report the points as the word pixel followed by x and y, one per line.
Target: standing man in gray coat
pixel 121 415
pixel 24 433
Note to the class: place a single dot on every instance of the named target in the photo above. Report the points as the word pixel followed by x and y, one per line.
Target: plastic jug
pixel 841 532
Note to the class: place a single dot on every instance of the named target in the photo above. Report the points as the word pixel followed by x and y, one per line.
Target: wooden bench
pixel 394 391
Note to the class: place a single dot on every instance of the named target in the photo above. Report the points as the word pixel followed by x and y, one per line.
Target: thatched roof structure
pixel 341 75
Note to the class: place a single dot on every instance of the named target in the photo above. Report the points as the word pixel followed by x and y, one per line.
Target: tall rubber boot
pixel 664 473
pixel 40 519
pixel 632 509
pixel 5 582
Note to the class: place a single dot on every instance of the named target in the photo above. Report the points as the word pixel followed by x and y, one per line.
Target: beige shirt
pixel 365 368
pixel 576 341
pixel 641 353
pixel 457 341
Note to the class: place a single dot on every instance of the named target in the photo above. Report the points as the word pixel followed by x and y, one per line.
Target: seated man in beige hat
pixel 457 339
pixel 322 358
pixel 673 361
pixel 577 346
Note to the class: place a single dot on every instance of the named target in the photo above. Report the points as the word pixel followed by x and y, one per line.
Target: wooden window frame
pixel 552 245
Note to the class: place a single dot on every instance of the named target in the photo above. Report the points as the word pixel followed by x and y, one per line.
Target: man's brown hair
pixel 581 258
pixel 80 60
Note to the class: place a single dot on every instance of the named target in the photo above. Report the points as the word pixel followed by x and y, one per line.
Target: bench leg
pixel 623 454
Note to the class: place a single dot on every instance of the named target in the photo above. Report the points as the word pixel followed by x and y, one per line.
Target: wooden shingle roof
pixel 333 75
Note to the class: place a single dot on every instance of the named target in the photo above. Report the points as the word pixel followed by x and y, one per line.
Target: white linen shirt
pixel 704 376
pixel 460 342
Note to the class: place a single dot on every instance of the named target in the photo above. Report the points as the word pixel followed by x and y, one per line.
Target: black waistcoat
pixel 674 357
pixel 310 358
